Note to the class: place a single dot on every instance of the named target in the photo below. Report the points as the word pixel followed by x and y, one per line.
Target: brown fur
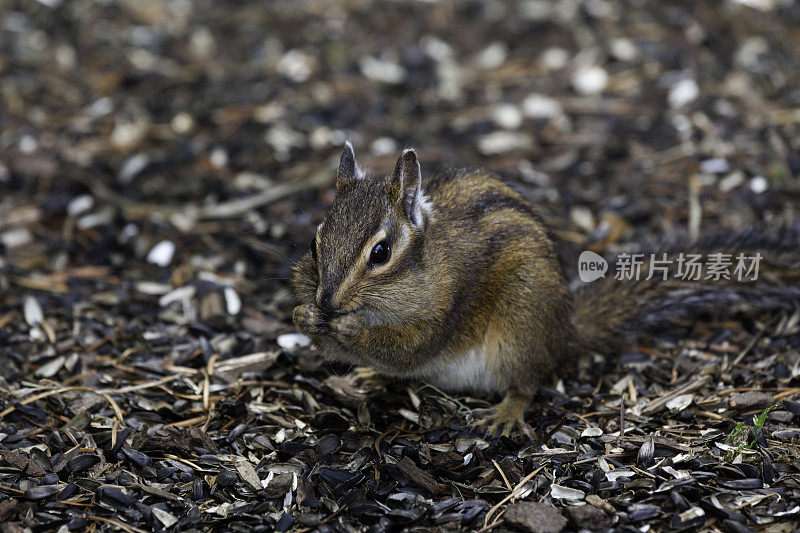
pixel 477 273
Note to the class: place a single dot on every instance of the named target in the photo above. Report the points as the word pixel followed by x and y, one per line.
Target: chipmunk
pixel 454 280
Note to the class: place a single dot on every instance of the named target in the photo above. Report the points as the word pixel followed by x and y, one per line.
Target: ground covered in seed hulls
pixel 162 163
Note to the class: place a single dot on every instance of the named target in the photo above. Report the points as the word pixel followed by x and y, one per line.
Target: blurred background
pixel 616 117
pixel 169 140
pixel 162 163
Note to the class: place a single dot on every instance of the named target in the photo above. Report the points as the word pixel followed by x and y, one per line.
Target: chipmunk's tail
pixel 608 311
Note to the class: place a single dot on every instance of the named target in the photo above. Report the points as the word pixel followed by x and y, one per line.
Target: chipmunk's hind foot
pixel 505 419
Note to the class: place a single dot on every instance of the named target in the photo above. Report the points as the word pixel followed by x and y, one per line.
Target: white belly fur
pixel 467 372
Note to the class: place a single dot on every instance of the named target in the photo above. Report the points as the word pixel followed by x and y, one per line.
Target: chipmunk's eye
pixel 380 254
pixel 314 249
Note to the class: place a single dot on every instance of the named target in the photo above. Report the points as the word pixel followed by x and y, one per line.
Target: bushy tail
pixel 608 311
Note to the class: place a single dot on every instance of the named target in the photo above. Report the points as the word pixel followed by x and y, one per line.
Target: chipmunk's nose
pixel 325 299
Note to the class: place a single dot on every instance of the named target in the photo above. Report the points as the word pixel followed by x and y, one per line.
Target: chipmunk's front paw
pixel 345 328
pixel 505 419
pixel 309 319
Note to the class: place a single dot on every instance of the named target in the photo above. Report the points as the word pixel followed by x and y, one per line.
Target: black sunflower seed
pixel 136 456
pixel 115 497
pixel 42 492
pixel 68 491
pixel 81 463
pixel 284 522
pixel 641 511
pixel 226 478
pixel 741 484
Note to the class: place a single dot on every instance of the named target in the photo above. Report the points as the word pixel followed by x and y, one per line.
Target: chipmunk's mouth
pixel 336 313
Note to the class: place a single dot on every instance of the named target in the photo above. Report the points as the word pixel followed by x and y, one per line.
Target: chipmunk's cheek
pixel 371 318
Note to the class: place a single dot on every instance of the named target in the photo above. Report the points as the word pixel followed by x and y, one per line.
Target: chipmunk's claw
pixel 365 373
pixel 505 419
pixel 494 427
pixel 482 419
pixel 369 378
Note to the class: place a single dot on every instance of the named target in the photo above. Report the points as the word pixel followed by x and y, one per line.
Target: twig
pixel 756 500
pixel 503 474
pixel 229 209
pixel 141 386
pixel 784 394
pixel 553 430
pixel 240 206
pixel 493 524
pixel 188 463
pixel 380 439
pixel 660 441
pixel 117 524
pixel 39 396
pixel 659 404
pixel 746 350
pixel 512 495
pixel 30 399
pixel 114 406
pixel 190 421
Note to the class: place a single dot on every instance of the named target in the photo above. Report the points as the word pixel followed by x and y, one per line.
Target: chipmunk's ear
pixel 349 171
pixel 405 188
